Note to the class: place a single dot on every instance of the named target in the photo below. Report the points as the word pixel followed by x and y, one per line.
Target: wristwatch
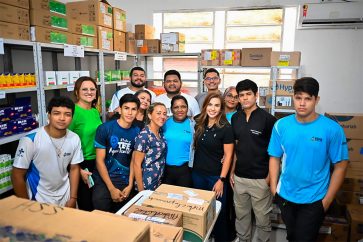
pixel 223 179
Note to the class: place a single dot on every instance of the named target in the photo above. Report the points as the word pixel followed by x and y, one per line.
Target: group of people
pixel 222 142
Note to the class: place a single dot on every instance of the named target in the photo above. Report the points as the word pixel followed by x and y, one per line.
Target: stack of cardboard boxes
pixel 14 19
pixel 351 192
pixel 145 41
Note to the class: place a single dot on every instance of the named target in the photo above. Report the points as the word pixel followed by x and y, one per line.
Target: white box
pixel 73 76
pixel 50 78
pixel 62 77
pixel 84 73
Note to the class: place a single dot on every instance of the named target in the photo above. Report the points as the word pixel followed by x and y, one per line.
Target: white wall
pixel 334 57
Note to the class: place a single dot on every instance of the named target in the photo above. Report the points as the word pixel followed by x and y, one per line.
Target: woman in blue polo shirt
pixel 178 132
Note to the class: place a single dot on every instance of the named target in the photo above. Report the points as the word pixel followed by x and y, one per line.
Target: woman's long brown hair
pixel 202 119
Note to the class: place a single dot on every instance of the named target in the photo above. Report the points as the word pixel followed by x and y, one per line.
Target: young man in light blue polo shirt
pixel 306 144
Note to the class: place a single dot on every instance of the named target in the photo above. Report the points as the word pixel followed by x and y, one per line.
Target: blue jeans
pixel 205 182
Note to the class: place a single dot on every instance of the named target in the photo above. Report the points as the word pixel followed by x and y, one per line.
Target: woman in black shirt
pixel 213 143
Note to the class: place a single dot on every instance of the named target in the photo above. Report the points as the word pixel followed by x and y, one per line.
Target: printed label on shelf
pixel 1 46
pixel 2 94
pixel 73 50
pixel 121 56
pixel 70 88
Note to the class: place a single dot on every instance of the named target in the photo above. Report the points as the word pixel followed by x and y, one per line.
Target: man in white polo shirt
pixel 138 82
pixel 172 86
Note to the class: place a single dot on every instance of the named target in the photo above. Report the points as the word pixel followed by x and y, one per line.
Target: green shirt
pixel 85 123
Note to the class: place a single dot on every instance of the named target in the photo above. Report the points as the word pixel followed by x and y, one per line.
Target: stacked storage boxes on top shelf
pixel 145 42
pixel 14 19
pixel 49 22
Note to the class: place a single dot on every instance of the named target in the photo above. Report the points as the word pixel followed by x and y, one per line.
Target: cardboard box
pixel 49 5
pixel 14 31
pixel 281 102
pixel 119 41
pixel 131 46
pixel 230 57
pixel 17 3
pixel 105 38
pixel 77 27
pixel 22 111
pixel 172 42
pixel 51 222
pixel 356 222
pixel 210 57
pixel 283 87
pixel 351 123
pixel 346 197
pixel 147 46
pixel 330 232
pixel 353 185
pixel 155 215
pixel 11 14
pixel 158 232
pixel 119 19
pixel 46 35
pixel 259 57
pixel 87 41
pixel 48 19
pixel 279 58
pixel 355 149
pixel 62 77
pixel 130 36
pixel 50 78
pixel 198 208
pixel 6 114
pixel 144 31
pixel 91 11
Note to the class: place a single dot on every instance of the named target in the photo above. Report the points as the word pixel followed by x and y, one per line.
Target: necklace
pixel 58 150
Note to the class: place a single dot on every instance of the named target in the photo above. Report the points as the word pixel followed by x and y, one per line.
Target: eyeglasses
pixel 215 78
pixel 88 89
pixel 230 96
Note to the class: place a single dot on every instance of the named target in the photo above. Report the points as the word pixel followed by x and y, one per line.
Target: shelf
pixel 119 83
pixel 244 67
pixel 15 137
pixel 3 190
pixel 17 90
pixel 277 110
pixel 56 87
pixel 169 54
pixel 18 42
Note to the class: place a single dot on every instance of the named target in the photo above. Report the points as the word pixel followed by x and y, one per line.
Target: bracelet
pixel 74 198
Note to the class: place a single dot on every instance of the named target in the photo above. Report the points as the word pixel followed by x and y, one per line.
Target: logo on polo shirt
pixel 256 132
pixel 317 139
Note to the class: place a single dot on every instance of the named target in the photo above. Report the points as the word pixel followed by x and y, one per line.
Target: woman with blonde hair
pixel 213 143
pixel 150 150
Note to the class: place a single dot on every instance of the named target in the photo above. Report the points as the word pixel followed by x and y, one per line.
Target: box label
pixel 284 60
pixel 1 46
pixel 73 50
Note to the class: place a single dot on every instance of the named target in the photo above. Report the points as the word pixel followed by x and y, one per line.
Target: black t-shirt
pixel 210 149
pixel 252 139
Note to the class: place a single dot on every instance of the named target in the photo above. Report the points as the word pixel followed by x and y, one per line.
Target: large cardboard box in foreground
pixel 256 57
pixel 11 14
pixel 156 215
pixel 198 208
pixel 158 232
pixel 40 220
pixel 14 31
pixel 351 123
pixel 91 11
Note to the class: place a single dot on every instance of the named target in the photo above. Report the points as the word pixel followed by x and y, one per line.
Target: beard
pixel 177 91
pixel 136 84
